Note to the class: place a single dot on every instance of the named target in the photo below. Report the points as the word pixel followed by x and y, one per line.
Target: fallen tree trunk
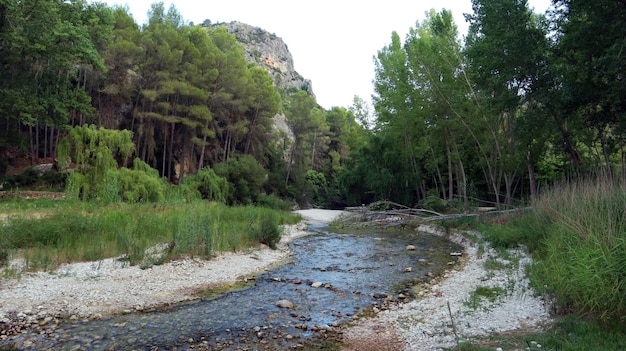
pixel 390 214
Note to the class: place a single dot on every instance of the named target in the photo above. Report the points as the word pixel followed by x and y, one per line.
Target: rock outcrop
pixel 270 52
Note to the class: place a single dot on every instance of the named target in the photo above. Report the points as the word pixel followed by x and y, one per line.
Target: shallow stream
pixel 357 271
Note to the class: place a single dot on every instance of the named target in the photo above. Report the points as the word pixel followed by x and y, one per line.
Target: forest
pixel 525 100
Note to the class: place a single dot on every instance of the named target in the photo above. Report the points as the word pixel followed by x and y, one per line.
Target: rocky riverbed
pixel 39 302
pixel 461 305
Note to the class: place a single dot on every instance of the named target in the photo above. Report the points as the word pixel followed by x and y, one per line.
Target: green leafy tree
pixel 246 177
pixel 95 151
pixel 142 183
pixel 506 50
pixel 48 49
pixel 264 102
pixel 587 96
pixel 122 56
pixel 305 120
pixel 206 185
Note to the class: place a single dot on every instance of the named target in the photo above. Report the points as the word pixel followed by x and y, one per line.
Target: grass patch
pixel 483 294
pixel 494 264
pixel 582 260
pixel 212 292
pixel 75 231
pixel 576 233
pixel 567 334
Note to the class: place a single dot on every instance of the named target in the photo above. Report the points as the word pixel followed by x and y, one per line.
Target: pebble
pixel 284 304
pixel 519 306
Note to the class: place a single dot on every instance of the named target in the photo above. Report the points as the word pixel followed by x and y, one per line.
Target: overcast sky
pixel 332 42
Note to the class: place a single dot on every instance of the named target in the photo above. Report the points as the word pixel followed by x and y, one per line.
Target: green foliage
pixel 206 185
pixel 136 185
pixel 141 233
pixel 482 293
pixel 316 188
pixel 274 202
pixel 517 230
pixel 31 179
pixel 434 203
pixel 266 231
pixel 583 257
pixel 577 234
pixel 94 150
pixel 246 177
pixel 28 178
pixel 566 334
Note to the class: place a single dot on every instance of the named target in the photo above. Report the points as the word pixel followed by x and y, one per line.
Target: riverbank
pixel 95 290
pixel 488 294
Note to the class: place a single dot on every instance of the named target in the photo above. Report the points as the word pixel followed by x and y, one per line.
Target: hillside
pixel 270 52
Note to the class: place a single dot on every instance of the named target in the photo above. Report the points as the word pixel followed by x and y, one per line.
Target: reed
pixel 75 232
pixel 582 261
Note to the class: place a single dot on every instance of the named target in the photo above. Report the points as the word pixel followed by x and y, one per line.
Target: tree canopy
pixel 523 100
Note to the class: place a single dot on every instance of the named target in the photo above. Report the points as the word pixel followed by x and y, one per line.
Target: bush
pixel 206 185
pixel 434 203
pixel 266 231
pixel 273 202
pixel 246 177
pixel 316 187
pixel 137 185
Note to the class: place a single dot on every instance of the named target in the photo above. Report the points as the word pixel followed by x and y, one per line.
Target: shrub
pixel 273 202
pixel 434 203
pixel 140 184
pixel 316 187
pixel 246 177
pixel 206 185
pixel 266 231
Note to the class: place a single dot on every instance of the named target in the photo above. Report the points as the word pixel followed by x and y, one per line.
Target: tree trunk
pixel 171 152
pixel 450 175
pixel 531 178
pixel 201 161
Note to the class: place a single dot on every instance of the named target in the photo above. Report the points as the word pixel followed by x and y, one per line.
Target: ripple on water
pixel 356 271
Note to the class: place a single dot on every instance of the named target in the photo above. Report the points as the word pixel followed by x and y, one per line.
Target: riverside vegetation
pixel 46 233
pixel 576 233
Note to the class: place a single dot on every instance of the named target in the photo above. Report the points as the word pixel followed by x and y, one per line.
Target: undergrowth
pixel 576 233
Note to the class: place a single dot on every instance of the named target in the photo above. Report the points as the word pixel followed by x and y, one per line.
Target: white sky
pixel 332 42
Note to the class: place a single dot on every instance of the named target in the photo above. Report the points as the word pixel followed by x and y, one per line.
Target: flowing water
pixel 356 272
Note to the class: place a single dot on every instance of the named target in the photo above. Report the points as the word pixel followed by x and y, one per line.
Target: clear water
pixel 357 271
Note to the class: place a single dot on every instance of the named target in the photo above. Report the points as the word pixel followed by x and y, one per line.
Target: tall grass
pixel 72 233
pixel 582 259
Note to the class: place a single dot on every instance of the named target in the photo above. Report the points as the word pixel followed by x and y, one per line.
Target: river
pixel 330 279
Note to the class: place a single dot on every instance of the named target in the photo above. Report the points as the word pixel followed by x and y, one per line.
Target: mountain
pixel 270 52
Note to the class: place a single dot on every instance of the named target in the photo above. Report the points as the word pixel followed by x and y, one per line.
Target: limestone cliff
pixel 270 52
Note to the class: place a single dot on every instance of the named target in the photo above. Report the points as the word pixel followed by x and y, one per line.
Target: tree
pixel 264 102
pixel 589 70
pixel 246 177
pixel 436 65
pixel 506 50
pixel 121 57
pixel 95 151
pixel 48 48
pixel 398 105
